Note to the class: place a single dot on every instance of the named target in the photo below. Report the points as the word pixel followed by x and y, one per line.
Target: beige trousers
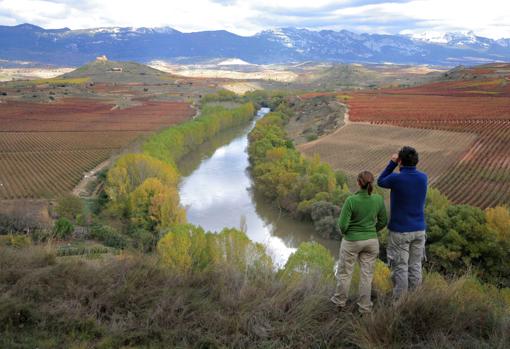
pixel 366 252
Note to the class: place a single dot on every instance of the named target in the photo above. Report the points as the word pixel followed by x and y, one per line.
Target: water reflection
pixel 218 193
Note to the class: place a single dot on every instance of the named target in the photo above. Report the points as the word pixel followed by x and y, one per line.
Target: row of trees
pixel 188 249
pixel 172 143
pixel 142 188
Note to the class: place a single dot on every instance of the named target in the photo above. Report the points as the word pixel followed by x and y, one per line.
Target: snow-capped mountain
pixel 455 39
pixel 27 42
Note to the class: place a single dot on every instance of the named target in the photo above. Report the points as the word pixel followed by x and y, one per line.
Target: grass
pixel 133 301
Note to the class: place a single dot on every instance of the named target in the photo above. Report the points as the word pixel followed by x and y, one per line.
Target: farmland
pixel 466 117
pixel 53 131
pixel 369 147
pixel 46 148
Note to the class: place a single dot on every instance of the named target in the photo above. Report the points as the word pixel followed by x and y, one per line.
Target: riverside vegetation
pixel 171 284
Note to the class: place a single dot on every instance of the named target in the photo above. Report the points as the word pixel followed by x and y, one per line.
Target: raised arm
pixel 345 216
pixel 382 217
pixel 386 177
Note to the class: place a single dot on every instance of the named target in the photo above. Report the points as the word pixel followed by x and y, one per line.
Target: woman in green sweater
pixel 363 215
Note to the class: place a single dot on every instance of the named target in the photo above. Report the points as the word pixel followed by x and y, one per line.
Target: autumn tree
pixel 154 206
pixel 132 170
pixel 310 257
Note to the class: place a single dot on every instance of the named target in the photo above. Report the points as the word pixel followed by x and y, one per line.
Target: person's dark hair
pixel 366 180
pixel 408 156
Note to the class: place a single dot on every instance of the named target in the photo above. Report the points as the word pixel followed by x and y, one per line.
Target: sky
pixel 490 18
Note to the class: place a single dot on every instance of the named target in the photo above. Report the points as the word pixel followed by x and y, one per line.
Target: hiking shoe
pixel 339 304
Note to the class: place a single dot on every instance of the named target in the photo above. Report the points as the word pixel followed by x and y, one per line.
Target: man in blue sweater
pixel 406 241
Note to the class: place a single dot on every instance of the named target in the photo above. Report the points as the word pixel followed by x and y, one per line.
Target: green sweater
pixel 362 216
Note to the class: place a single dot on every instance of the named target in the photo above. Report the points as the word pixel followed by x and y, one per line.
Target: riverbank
pixel 219 192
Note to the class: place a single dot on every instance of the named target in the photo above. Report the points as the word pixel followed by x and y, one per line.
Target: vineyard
pixel 357 147
pixel 45 149
pixel 73 115
pixel 482 176
pixel 473 165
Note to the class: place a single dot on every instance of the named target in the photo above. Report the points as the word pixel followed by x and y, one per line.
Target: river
pixel 217 192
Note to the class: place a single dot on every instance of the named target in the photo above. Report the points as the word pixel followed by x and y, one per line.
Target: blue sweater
pixel 408 194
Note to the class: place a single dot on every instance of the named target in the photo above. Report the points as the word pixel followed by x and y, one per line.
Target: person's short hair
pixel 408 156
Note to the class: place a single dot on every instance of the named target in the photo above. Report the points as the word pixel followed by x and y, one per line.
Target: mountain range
pixel 34 45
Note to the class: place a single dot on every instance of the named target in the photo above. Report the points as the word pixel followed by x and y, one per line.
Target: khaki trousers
pixel 366 252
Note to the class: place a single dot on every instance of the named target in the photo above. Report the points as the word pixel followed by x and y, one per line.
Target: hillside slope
pixel 105 71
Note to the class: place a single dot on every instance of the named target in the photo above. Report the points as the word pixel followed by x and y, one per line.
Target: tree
pixel 498 219
pixel 187 248
pixel 310 257
pixel 236 249
pixel 132 170
pixel 154 206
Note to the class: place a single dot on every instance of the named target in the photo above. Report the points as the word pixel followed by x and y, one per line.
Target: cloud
pixel 245 17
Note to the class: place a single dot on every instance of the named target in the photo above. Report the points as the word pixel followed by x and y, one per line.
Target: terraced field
pixel 45 149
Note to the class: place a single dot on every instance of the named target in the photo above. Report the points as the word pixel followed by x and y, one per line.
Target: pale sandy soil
pixel 9 74
pixel 242 87
pixel 415 70
pixel 82 188
pixel 202 72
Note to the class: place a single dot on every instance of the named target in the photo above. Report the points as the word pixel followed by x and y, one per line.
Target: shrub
pixel 63 228
pixel 459 239
pixel 69 206
pixel 108 236
pixel 439 314
pixel 15 240
pixel 324 215
pixel 17 221
pixel 143 240
pixel 381 283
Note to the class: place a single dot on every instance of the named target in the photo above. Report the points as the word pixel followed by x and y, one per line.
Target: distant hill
pixel 107 71
pixel 480 72
pixel 30 43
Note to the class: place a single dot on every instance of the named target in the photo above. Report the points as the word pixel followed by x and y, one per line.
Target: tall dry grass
pixel 132 301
